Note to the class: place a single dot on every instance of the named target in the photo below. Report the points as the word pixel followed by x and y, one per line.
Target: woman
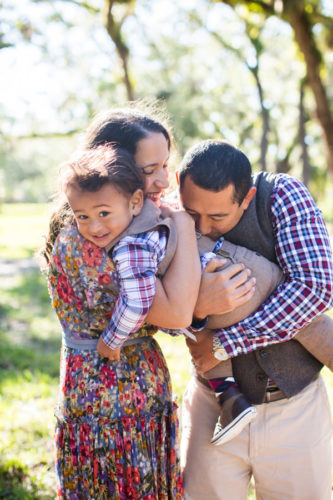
pixel 117 427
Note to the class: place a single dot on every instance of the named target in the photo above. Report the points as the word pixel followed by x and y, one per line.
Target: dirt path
pixel 10 267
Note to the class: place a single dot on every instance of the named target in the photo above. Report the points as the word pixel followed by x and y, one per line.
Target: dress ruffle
pixel 129 458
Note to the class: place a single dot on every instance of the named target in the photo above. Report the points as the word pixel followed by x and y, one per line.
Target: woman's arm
pixel 177 292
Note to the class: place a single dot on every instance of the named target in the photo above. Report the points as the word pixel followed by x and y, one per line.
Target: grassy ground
pixel 29 361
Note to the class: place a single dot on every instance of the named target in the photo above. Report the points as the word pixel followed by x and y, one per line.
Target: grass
pixel 29 364
pixel 21 228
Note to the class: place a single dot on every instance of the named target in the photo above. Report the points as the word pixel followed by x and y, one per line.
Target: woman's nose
pixel 162 180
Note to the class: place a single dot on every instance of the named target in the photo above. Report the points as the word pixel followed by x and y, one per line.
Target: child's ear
pixel 136 202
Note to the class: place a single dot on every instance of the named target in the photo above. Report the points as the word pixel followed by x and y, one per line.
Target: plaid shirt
pixel 303 253
pixel 136 259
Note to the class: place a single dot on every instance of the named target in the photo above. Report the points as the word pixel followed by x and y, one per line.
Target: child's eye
pixel 104 214
pixel 82 217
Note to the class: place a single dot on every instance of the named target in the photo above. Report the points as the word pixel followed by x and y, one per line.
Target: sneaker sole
pixel 235 427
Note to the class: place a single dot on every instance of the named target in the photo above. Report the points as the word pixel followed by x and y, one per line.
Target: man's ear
pixel 248 197
pixel 177 178
pixel 136 202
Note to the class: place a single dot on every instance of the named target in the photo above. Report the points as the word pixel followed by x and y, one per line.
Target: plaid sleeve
pixel 304 254
pixel 136 259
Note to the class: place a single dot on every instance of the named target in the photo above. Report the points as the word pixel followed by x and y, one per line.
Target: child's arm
pixel 177 292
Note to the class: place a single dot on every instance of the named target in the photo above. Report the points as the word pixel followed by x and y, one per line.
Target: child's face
pixel 152 155
pixel 102 215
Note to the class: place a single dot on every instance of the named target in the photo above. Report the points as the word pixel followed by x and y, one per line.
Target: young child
pixel 110 214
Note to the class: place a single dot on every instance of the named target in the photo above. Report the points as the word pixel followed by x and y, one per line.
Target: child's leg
pixel 317 338
pixel 236 412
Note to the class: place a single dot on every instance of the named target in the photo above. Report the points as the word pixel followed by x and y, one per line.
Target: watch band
pixel 219 351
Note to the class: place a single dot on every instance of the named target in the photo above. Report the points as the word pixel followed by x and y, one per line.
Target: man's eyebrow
pixel 222 214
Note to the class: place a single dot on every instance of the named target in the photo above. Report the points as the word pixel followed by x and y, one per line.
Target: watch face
pixel 221 354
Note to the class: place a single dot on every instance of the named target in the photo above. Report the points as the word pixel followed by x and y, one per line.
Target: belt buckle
pixel 268 396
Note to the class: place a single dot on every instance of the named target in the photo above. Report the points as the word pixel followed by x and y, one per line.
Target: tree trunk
pixel 302 134
pixel 302 29
pixel 265 119
pixel 114 30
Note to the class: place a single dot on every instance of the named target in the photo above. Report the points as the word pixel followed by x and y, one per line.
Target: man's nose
pixel 203 225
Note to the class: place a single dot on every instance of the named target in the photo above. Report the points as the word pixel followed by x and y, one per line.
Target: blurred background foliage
pixel 257 73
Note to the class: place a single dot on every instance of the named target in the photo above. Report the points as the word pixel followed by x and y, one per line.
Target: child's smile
pixel 103 215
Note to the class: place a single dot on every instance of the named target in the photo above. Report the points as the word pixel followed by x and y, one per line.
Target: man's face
pixel 215 213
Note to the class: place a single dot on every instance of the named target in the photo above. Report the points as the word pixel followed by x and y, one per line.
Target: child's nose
pixel 95 226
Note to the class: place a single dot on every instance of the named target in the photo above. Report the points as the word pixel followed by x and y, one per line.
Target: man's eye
pixel 192 214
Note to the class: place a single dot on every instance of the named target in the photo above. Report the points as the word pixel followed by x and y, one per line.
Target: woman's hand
pixel 106 352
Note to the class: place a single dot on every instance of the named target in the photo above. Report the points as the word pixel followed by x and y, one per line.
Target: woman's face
pixel 152 155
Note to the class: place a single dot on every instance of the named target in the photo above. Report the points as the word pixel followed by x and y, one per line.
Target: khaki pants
pixel 287 448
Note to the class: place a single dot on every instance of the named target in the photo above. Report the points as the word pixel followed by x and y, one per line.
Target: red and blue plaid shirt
pixel 303 252
pixel 136 259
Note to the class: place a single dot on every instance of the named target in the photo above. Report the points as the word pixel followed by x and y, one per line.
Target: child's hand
pixel 166 211
pixel 106 352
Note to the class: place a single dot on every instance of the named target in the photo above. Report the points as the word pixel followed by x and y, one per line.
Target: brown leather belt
pixel 274 395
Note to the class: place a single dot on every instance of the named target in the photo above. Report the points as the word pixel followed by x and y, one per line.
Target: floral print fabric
pixel 117 427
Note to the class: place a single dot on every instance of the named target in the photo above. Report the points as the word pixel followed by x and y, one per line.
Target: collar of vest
pixel 148 218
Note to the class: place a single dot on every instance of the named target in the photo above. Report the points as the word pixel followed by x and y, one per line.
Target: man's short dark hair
pixel 214 165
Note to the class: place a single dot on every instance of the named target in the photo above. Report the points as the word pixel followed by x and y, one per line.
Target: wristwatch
pixel 219 352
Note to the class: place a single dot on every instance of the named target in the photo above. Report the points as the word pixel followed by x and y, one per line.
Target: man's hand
pixel 222 291
pixel 202 351
pixel 106 352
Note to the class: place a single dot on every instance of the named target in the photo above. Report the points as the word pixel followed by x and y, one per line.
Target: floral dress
pixel 117 426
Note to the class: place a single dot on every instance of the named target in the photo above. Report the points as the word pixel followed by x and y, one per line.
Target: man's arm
pixel 304 255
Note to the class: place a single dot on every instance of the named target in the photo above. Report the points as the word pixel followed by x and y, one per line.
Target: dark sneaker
pixel 236 413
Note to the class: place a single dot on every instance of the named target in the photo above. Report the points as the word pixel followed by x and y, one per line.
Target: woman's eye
pixel 165 165
pixel 148 171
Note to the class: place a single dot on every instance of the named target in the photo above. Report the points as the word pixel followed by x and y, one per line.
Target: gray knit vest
pixel 288 364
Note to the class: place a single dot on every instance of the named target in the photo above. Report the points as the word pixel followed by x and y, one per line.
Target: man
pixel 286 448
